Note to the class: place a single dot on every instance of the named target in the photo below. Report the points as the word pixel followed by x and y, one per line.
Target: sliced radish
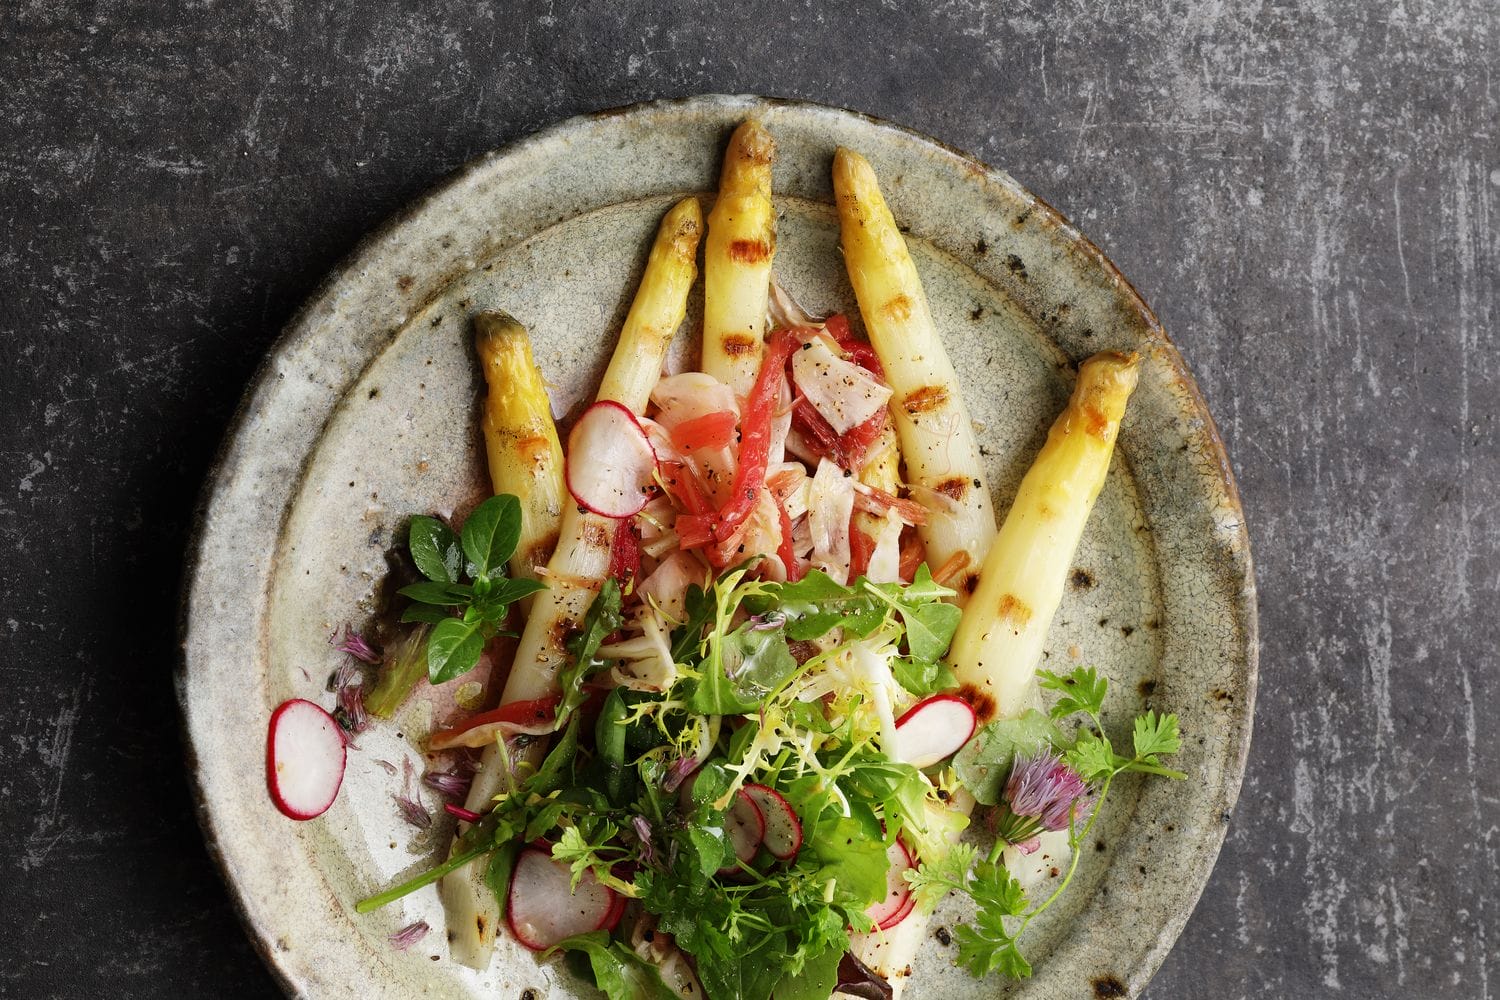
pixel 934 729
pixel 899 901
pixel 746 829
pixel 842 392
pixel 610 461
pixel 305 756
pixel 615 913
pixel 542 909
pixel 783 836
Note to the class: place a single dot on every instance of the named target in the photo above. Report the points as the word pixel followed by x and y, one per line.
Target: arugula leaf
pixel 602 618
pixel 454 647
pixel 434 549
pixel 984 762
pixel 490 534
pixel 498 870
pixel 1083 691
pixel 618 971
pixel 700 608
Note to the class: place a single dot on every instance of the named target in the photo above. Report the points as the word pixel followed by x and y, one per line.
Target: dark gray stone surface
pixel 1307 193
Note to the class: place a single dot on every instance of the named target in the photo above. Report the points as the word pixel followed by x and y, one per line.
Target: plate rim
pixel 1245 599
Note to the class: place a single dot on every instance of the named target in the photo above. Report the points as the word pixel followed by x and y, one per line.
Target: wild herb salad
pixel 777 655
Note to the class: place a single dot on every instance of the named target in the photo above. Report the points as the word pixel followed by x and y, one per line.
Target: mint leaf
pixel 434 549
pixel 454 648
pixel 443 595
pixel 984 762
pixel 491 533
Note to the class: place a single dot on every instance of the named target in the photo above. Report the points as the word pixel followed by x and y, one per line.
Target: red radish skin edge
pixel 899 901
pixel 747 832
pixel 613 915
pixel 627 503
pixel 939 725
pixel 783 836
pixel 299 718
pixel 540 885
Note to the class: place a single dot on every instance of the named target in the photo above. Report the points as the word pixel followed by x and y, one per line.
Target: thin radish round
pixel 305 757
pixel 899 901
pixel 783 836
pixel 613 915
pixel 746 829
pixel 542 909
pixel 934 729
pixel 610 462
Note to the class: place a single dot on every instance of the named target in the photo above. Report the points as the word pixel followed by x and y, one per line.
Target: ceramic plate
pixel 365 413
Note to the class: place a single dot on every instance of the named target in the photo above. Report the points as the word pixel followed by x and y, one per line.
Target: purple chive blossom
pixel 1042 793
pixel 409 935
pixel 356 646
pixel 678 773
pixel 408 804
pixel 766 622
pixel 642 828
pixel 451 783
pixel 351 714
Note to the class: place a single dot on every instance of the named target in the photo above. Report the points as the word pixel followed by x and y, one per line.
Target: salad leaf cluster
pixel 1002 911
pixel 465 615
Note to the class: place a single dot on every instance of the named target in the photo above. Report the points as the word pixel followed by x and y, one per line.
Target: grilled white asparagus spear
pixel 580 561
pixel 999 640
pixel 937 437
pixel 737 260
pixel 998 644
pixel 520 438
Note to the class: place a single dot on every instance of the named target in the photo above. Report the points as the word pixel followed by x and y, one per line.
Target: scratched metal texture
pixel 1306 193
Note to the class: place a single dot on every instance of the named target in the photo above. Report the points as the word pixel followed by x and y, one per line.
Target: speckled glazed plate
pixel 365 414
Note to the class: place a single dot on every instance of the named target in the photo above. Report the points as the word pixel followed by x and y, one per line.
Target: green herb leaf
pixel 491 533
pixel 753 662
pixel 424 613
pixel 453 649
pixel 443 595
pixel 1093 757
pixel 498 871
pixel 602 618
pixel 1083 691
pixel 984 762
pixel 930 628
pixel 687 638
pixel 619 972
pixel 434 549
pixel 1156 735
pixel 923 677
pixel 819 975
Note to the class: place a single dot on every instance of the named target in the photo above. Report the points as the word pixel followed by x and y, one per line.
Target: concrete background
pixel 1307 192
